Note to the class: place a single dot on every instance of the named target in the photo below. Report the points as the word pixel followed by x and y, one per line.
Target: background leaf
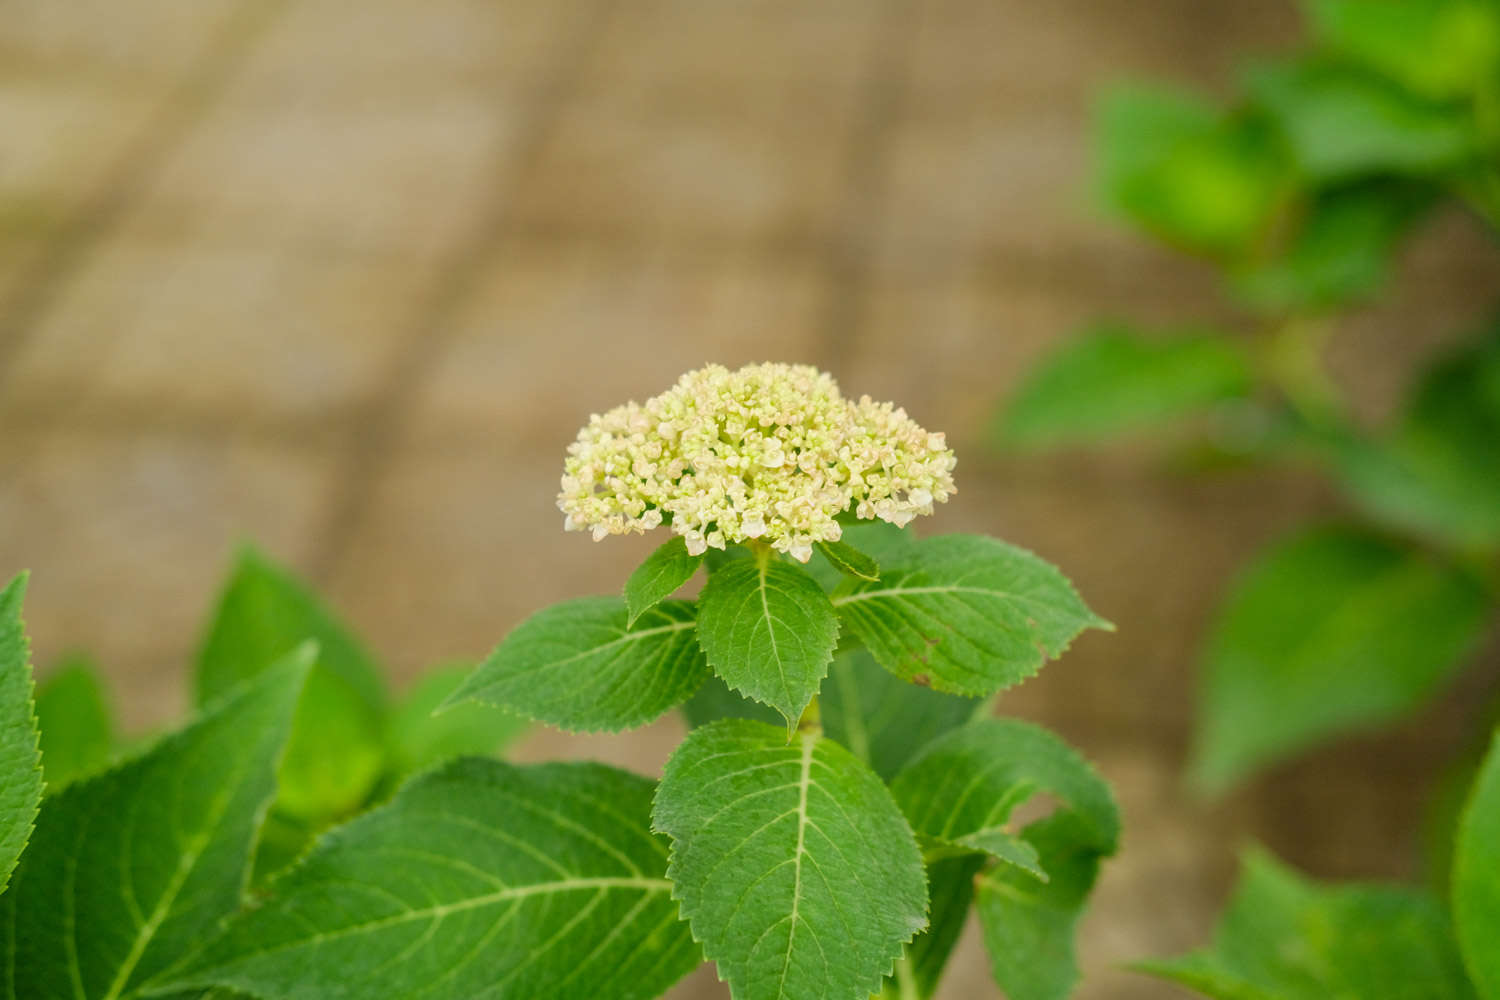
pixel 337 749
pixel 1285 938
pixel 479 879
pixel 577 665
pixel 1438 48
pixel 20 760
pixel 1112 380
pixel 1476 878
pixel 78 733
pixel 793 864
pixel 130 868
pixel 964 613
pixel 849 560
pixel 950 887
pixel 659 577
pixel 769 632
pixel 420 739
pixel 715 701
pixel 1327 632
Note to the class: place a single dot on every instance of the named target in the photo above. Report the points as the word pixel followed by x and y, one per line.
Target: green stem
pixel 812 719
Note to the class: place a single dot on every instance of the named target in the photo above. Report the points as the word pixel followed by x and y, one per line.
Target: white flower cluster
pixel 771 451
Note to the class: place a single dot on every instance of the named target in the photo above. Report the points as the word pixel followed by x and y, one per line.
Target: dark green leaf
pixel 659 577
pixel 965 614
pixel 1341 122
pixel 1189 174
pixel 1112 380
pixel 1476 878
pixel 420 738
pixel 20 758
pixel 576 665
pixel 131 867
pixel 336 753
pixel 1330 631
pixel 769 632
pixel 78 733
pixel 1283 938
pixel 950 884
pixel 479 879
pixel 794 867
pixel 849 560
pixel 1438 48
pixel 714 701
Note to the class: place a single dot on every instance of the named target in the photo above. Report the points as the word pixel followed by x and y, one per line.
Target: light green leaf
pixel 1330 631
pixel 1341 122
pixel 966 614
pixel 950 885
pixel 1112 380
pixel 78 732
pixel 1476 878
pixel 478 879
pixel 961 789
pixel 1198 178
pixel 659 577
pixel 849 560
pixel 20 758
pixel 337 749
pixel 576 665
pixel 793 864
pixel 130 868
pixel 420 738
pixel 1283 938
pixel 1437 48
pixel 769 632
pixel 1029 926
pixel 882 719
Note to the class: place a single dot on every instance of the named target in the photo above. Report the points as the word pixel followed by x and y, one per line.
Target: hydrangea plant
pixel 842 800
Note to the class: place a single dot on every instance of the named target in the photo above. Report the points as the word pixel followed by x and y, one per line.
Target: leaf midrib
pixel 803 782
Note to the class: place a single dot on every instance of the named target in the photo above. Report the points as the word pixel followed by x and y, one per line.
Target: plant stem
pixel 812 719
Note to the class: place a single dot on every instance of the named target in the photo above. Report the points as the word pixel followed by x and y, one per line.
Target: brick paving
pixel 344 279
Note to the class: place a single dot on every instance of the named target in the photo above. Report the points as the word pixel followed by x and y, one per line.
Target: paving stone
pixel 128 535
pixel 199 326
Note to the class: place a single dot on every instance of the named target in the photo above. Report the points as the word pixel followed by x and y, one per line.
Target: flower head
pixel 771 452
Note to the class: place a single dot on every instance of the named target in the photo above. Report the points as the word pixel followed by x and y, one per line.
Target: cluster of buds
pixel 771 452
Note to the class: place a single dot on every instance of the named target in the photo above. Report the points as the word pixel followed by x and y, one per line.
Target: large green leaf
pixel 336 753
pixel 769 632
pixel 965 614
pixel 132 867
pixel 659 577
pixel 1329 631
pixel 421 736
pixel 1438 48
pixel 78 732
pixel 1283 938
pixel 1341 122
pixel 577 665
pixel 1193 176
pixel 882 719
pixel 1476 878
pixel 1029 926
pixel 793 864
pixel 1112 380
pixel 950 887
pixel 478 879
pixel 20 758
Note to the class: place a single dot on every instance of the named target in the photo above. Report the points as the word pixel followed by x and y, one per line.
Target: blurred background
pixel 344 279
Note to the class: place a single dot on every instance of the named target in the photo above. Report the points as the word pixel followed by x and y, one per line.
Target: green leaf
pixel 130 868
pixel 576 665
pixel 420 738
pixel 1191 175
pixel 1341 122
pixel 878 540
pixel 1112 380
pixel 965 614
pixel 1330 631
pixel 478 879
pixel 950 883
pixel 882 719
pixel 961 789
pixel 659 577
pixel 849 560
pixel 1342 248
pixel 794 866
pixel 1437 48
pixel 1029 926
pixel 1476 878
pixel 715 701
pixel 769 632
pixel 337 749
pixel 1283 938
pixel 78 732
pixel 1437 473
pixel 20 758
